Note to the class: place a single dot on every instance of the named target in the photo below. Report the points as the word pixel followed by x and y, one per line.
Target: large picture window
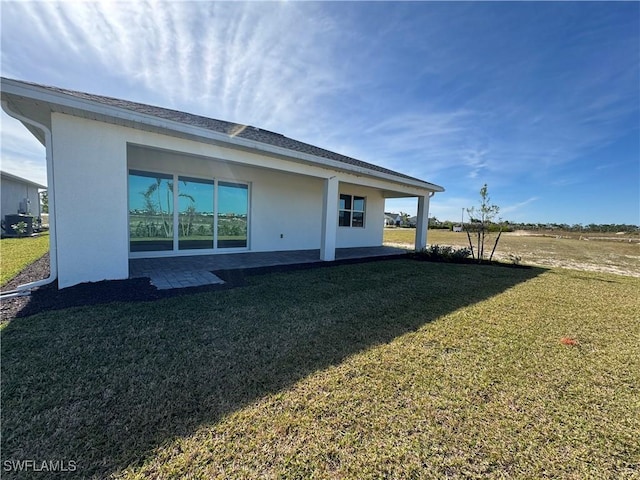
pixel 208 214
pixel 351 211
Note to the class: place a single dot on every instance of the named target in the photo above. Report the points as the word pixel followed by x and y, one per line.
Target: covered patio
pixel 196 270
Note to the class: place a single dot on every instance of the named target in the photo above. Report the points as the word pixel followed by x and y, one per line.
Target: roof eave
pixel 15 87
pixel 16 178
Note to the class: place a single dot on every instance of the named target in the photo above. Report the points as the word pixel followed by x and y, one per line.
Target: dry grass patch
pixel 622 258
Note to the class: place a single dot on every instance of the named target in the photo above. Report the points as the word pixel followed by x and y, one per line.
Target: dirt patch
pixel 587 267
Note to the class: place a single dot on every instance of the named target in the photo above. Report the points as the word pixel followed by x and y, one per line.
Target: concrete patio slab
pixel 195 270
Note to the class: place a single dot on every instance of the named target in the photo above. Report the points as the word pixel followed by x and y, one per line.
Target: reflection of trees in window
pixel 233 202
pixel 153 203
pixel 150 211
pixel 195 219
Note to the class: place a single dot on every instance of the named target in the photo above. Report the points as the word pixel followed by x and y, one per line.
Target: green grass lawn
pixel 396 369
pixel 17 253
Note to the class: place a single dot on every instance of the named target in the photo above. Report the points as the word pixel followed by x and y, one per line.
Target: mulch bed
pixel 48 297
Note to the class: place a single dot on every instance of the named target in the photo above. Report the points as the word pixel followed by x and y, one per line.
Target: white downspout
pixel 25 289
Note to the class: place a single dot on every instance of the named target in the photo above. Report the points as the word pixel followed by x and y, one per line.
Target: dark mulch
pixel 38 270
pixel 426 257
pixel 48 297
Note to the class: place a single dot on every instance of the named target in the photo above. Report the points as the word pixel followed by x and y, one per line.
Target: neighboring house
pixel 19 196
pixel 396 220
pixel 392 219
pixel 128 180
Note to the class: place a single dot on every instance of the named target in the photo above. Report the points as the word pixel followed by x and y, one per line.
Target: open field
pixel 396 369
pixel 17 253
pixel 618 257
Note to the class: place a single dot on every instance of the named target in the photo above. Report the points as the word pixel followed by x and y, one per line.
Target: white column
pixel 329 219
pixel 422 224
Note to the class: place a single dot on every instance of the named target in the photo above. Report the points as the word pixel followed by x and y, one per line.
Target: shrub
pixel 443 253
pixel 20 228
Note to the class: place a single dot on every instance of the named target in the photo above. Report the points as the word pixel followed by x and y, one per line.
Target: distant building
pixel 19 196
pixel 392 219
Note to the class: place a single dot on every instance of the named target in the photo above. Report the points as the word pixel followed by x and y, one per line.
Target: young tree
pixel 480 219
pixel 44 201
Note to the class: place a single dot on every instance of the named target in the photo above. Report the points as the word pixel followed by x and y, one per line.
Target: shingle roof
pixel 228 128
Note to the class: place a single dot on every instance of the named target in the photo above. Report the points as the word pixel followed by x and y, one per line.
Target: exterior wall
pixel 90 177
pixel 287 205
pixel 279 204
pixel 371 234
pixel 13 192
pixel 91 163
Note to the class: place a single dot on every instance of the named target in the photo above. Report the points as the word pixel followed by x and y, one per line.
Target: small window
pixel 351 211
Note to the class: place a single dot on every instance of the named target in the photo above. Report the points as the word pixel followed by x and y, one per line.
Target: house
pixel 397 220
pixel 128 180
pixel 19 196
pixel 392 219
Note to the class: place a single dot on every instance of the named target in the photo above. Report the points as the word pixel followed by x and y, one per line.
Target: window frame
pixel 351 210
pixel 176 250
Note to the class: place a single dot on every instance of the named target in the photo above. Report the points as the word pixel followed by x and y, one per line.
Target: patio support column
pixel 329 219
pixel 422 223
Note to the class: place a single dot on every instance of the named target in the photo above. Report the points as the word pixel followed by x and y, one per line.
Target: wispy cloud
pixel 266 64
pixel 458 94
pixel 516 207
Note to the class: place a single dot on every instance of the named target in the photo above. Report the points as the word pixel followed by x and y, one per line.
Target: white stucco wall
pixel 280 203
pixel 92 160
pixel 371 234
pixel 90 176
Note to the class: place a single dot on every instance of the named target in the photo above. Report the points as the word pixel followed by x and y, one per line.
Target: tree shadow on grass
pixel 104 386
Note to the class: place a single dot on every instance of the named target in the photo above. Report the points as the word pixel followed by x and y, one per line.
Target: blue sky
pixel 539 100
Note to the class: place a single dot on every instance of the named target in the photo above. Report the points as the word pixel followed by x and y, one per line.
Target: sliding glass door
pixel 195 214
pixel 233 203
pixel 196 224
pixel 150 211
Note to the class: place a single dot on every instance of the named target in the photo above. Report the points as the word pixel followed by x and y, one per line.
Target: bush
pixel 444 253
